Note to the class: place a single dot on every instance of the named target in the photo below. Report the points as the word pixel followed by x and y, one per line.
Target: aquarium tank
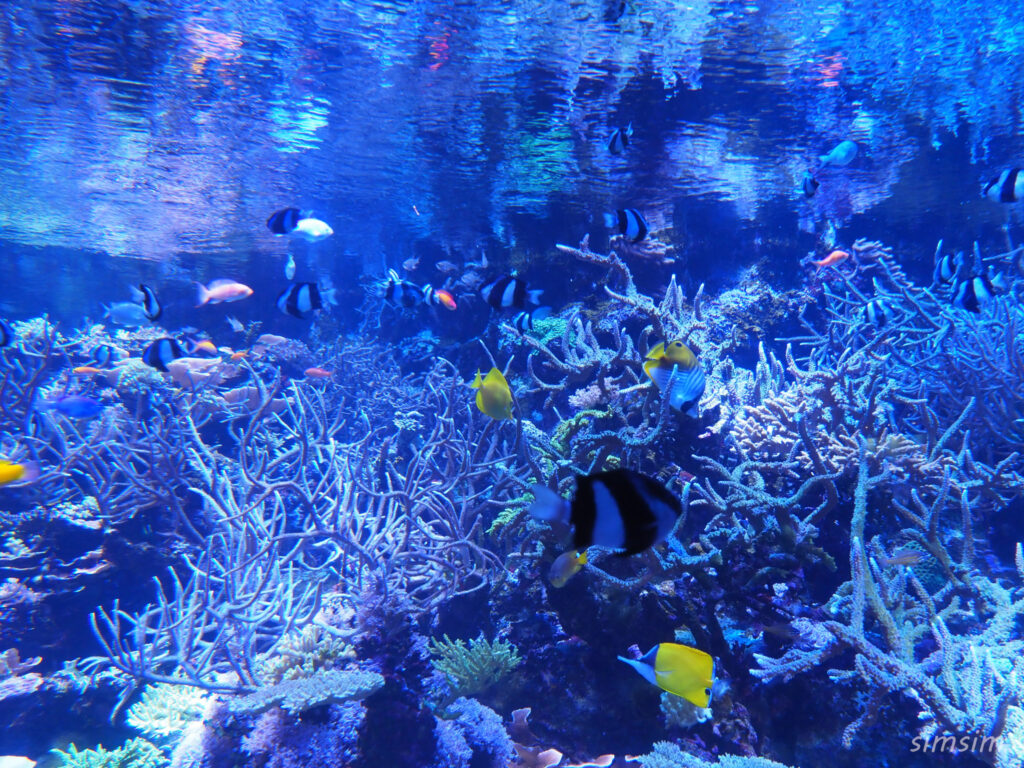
pixel 511 384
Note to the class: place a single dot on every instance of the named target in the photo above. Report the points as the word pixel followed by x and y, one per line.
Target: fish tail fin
pixel 329 296
pixel 610 220
pixel 548 505
pixel 629 129
pixel 541 313
pixel 534 296
pixel 202 295
pixel 137 295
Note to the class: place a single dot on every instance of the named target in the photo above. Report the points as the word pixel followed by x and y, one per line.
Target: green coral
pixel 474 667
pixel 164 709
pixel 567 428
pixel 303 655
pixel 296 696
pixel 137 753
pixel 667 755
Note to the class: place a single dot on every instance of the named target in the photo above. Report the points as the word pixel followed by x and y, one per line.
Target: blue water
pixel 326 503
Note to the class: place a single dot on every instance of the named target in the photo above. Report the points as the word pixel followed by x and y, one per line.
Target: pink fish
pixel 222 290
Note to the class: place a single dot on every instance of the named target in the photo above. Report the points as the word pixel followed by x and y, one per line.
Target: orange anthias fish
pixel 318 373
pixel 84 370
pixel 445 299
pixel 836 257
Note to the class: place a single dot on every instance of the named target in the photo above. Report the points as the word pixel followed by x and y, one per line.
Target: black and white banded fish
pixel 628 222
pixel 879 312
pixel 299 299
pixel 973 292
pixel 619 139
pixel 1007 187
pixel 282 222
pixel 146 297
pixel 524 321
pixel 404 293
pixel 620 509
pixel 508 291
pixel 162 352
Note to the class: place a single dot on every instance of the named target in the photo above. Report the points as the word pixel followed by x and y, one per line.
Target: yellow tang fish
pixel 678 669
pixel 493 396
pixel 688 384
pixel 10 473
pixel 566 565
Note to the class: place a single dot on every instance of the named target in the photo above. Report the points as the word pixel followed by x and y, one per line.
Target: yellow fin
pixel 658 351
pixel 685 671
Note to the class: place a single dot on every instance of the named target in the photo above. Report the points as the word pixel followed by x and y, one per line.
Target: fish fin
pixel 658 351
pixel 610 220
pixel 137 295
pixel 645 670
pixel 203 295
pixel 221 281
pixel 329 296
pixel 548 505
pixel 478 381
pixel 540 313
pixel 534 296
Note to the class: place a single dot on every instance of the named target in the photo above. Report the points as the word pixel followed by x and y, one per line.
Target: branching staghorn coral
pixel 924 645
pixel 475 667
pixel 295 510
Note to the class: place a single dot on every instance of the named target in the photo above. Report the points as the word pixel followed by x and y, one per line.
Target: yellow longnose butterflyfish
pixel 12 473
pixel 493 396
pixel 678 669
pixel 676 363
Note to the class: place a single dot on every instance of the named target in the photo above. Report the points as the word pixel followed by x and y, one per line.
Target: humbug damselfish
pixel 620 509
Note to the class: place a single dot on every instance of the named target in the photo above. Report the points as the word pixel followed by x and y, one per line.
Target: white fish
pixel 312 230
pixel 842 153
pixel 222 290
pixel 126 313
pixel 14 761
pixel 289 267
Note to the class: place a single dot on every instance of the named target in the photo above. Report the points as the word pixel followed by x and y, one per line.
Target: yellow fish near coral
pixel 493 396
pixel 678 669
pixel 11 473
pixel 688 385
pixel 566 565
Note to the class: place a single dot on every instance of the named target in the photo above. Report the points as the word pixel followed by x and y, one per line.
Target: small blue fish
pixel 842 154
pixel 74 406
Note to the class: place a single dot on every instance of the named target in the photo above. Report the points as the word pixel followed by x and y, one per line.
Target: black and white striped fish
pixel 282 222
pixel 146 296
pixel 161 352
pixel 973 292
pixel 104 355
pixel 619 139
pixel 404 293
pixel 6 333
pixel 946 267
pixel 1007 187
pixel 879 312
pixel 299 299
pixel 620 509
pixel 524 321
pixel 628 222
pixel 508 291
